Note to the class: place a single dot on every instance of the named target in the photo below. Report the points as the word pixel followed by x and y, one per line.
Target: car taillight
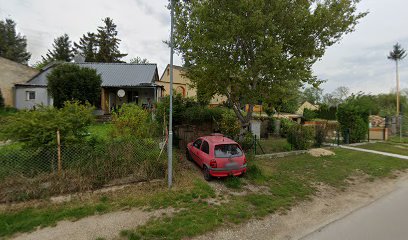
pixel 213 163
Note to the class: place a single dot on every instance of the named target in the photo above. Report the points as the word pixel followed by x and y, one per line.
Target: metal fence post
pixel 59 152
pixel 255 144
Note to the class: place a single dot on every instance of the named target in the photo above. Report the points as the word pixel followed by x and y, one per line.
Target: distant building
pixel 182 85
pixel 11 73
pixel 306 105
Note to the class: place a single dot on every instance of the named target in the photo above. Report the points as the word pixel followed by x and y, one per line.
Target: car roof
pixel 218 139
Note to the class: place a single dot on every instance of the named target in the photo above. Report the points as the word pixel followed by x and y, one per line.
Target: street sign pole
pixel 170 142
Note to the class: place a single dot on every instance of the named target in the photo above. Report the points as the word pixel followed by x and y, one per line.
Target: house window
pixel 30 95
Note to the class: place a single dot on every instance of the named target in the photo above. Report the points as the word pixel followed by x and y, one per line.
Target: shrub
pixel 38 128
pixel 132 121
pixel 180 104
pixel 247 141
pixel 300 137
pixel 285 125
pixel 353 118
pixel 229 124
pixel 320 135
pixel 187 110
pixel 309 114
pixel 1 100
pixel 68 82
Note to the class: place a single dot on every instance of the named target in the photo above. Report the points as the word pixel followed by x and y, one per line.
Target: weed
pixel 233 182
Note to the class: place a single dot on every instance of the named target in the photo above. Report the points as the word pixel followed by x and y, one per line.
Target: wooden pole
pixel 59 152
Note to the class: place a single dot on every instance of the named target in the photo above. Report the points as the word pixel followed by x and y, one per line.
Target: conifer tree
pixel 87 47
pixel 13 46
pixel 108 43
pixel 62 50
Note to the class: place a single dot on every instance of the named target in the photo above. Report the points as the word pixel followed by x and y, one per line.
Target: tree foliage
pixel 132 121
pixel 397 53
pixel 38 128
pixel 13 46
pixel 256 50
pixel 312 95
pixel 338 96
pixel 139 60
pixel 62 50
pixel 71 82
pixel 353 116
pixel 87 47
pixel 108 43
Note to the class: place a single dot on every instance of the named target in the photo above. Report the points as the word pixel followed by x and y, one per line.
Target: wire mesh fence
pixel 33 172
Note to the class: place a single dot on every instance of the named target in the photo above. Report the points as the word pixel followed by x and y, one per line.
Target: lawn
pixel 397 139
pixel 287 181
pixel 273 145
pixel 100 130
pixel 390 147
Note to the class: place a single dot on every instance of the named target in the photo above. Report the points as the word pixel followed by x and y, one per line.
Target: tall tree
pixel 62 50
pixel 108 43
pixel 397 54
pixel 13 46
pixel 312 95
pixel 338 96
pixel 256 49
pixel 139 60
pixel 87 47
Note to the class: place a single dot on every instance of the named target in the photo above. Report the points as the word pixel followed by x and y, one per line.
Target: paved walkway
pixel 375 152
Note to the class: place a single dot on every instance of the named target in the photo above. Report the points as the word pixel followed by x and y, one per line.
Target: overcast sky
pixel 359 61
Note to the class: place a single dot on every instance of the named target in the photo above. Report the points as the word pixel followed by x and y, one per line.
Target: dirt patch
pixel 319 152
pixel 106 226
pixel 328 205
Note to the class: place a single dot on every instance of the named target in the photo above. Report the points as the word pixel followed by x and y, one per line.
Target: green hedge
pixel 301 137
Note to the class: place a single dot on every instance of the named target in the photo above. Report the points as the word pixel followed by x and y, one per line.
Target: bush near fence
pixel 33 172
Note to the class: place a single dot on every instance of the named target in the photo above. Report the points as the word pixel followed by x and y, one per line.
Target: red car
pixel 218 156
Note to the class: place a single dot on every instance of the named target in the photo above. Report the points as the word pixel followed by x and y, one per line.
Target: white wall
pixel 41 97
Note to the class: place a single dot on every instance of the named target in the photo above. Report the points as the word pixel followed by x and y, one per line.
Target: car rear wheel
pixel 206 173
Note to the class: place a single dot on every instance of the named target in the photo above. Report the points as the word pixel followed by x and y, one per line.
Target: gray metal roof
pixel 112 74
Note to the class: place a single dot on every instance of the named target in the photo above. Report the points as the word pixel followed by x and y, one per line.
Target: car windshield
pixel 227 151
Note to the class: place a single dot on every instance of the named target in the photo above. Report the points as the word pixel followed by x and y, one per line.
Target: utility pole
pixel 170 142
pixel 398 54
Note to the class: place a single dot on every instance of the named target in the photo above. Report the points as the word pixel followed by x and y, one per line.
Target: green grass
pixel 273 145
pixel 288 181
pixel 388 147
pixel 397 139
pixel 100 131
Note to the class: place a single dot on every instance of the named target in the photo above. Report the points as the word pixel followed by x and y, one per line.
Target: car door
pixel 204 154
pixel 195 149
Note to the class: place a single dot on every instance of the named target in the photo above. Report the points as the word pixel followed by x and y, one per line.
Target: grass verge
pixel 388 147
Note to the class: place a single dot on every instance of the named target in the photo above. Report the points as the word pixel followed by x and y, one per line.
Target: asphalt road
pixel 384 219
